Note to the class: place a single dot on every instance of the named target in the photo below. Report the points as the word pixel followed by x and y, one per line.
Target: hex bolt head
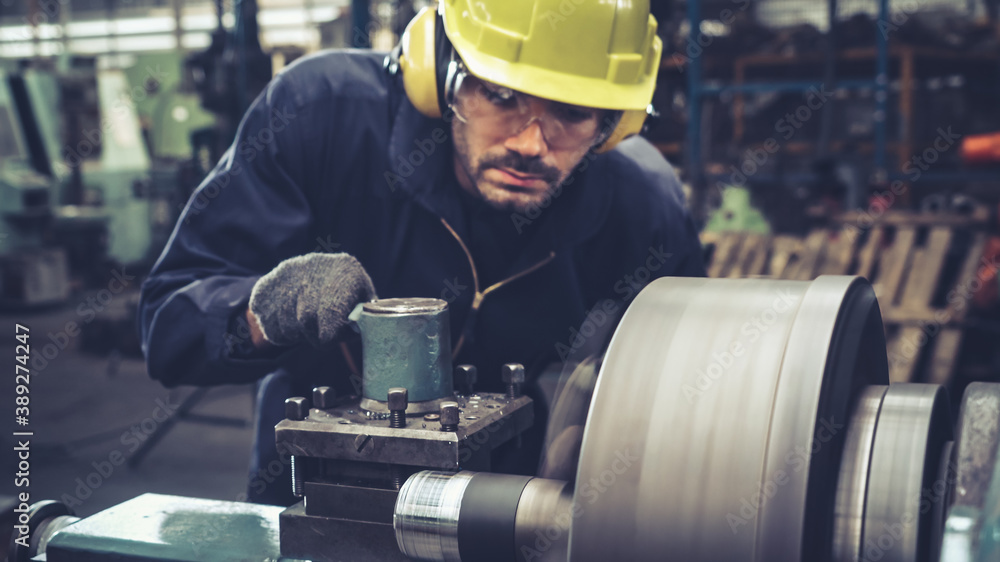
pixel 323 397
pixel 449 416
pixel 397 407
pixel 512 373
pixel 466 376
pixel 398 399
pixel 296 408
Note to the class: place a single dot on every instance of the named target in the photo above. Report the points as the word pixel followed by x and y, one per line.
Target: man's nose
pixel 529 141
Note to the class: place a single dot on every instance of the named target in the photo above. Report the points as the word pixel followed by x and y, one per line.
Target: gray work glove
pixel 308 298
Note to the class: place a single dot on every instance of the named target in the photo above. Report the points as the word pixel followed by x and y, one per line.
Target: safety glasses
pixel 509 112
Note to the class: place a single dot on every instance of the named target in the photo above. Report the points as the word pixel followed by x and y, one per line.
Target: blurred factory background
pixel 849 136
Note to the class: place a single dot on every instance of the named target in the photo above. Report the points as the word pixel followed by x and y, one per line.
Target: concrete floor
pixel 89 413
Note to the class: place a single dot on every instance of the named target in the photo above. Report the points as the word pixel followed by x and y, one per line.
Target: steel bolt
pixel 449 416
pixel 323 397
pixel 397 407
pixel 466 376
pixel 296 408
pixel 513 375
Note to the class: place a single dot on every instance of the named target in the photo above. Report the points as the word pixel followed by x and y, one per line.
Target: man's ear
pixel 609 122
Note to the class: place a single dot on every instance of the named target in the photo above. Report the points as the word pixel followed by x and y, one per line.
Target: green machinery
pixel 30 274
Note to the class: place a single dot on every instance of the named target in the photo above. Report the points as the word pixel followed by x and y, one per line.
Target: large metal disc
pixel 907 491
pixel 720 415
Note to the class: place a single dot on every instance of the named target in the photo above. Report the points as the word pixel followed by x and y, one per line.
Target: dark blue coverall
pixel 333 157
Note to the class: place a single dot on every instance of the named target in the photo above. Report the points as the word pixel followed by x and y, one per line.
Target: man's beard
pixel 505 197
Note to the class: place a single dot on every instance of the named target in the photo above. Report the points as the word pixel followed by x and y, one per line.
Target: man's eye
pixel 572 114
pixel 499 97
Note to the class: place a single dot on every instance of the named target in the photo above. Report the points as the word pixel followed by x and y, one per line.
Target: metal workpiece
pixel 406 342
pixel 483 517
pixel 544 518
pixel 349 433
pixel 397 403
pixel 756 378
pixel 852 484
pixel 426 515
pixel 512 375
pixel 906 491
pixel 296 408
pixel 450 416
pixel 323 397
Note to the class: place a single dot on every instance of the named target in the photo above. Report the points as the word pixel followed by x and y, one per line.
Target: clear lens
pixel 564 126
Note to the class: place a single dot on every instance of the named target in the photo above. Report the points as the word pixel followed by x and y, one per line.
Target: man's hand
pixel 307 298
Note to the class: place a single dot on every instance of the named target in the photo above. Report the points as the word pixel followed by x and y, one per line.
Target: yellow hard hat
pixel 581 52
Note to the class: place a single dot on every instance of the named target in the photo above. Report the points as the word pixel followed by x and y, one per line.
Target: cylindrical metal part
pixel 426 515
pixel 513 375
pixel 905 494
pixel 406 343
pixel 449 416
pixel 43 519
pixel 543 520
pixel 296 408
pixel 750 373
pixel 483 517
pixel 397 407
pixel 323 397
pixel 852 484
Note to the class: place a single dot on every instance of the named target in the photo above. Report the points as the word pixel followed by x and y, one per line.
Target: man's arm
pixel 251 212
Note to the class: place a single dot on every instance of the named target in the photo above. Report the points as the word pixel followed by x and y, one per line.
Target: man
pixel 473 166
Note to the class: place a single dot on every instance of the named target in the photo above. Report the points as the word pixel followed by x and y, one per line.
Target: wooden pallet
pixel 924 269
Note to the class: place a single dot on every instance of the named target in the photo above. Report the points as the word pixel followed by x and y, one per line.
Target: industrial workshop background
pixel 853 137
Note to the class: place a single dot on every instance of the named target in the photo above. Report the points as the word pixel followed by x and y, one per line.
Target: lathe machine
pixel 732 420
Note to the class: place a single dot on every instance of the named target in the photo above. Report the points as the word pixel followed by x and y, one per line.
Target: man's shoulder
pixel 339 74
pixel 641 177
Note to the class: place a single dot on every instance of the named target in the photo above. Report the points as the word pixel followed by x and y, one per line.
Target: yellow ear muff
pixel 630 124
pixel 418 63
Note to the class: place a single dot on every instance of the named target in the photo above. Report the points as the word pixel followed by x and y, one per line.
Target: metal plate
pixel 700 438
pixel 171 528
